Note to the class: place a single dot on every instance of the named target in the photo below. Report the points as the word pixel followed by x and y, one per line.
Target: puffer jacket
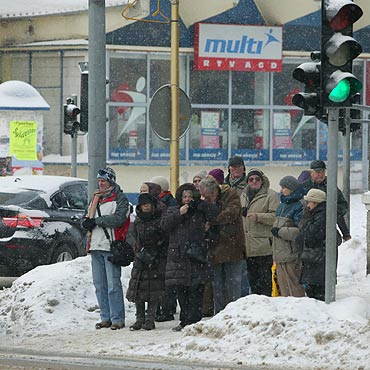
pixel 147 282
pixel 288 217
pixel 190 227
pixel 258 237
pixel 229 244
pixel 114 209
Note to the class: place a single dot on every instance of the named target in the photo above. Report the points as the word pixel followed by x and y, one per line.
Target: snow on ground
pixel 53 308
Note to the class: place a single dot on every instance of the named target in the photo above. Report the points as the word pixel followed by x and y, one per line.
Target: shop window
pixel 285 86
pixel 294 136
pixel 208 87
pixel 244 87
pixel 250 133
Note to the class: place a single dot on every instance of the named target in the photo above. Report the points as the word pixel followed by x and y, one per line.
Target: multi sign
pixel 237 48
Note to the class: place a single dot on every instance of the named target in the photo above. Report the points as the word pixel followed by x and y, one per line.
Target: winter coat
pixel 313 235
pixel 239 184
pixel 229 245
pixel 342 205
pixel 168 199
pixel 258 237
pixel 147 282
pixel 182 229
pixel 114 209
pixel 288 216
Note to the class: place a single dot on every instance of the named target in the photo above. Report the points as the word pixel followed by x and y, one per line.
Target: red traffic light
pixel 342 14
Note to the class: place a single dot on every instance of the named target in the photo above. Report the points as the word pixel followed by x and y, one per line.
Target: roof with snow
pixel 19 95
pixel 34 8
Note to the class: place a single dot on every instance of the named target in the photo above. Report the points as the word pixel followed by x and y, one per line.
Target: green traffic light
pixel 341 92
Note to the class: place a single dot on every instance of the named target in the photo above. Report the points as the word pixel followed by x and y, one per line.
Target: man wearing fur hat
pixel 259 204
pixel 287 253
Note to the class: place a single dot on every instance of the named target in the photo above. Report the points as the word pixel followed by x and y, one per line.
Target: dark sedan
pixel 40 221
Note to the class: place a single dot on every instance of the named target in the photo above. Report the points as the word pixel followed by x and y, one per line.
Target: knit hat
pixel 254 171
pixel 236 161
pixel 290 183
pixel 107 174
pixel 315 195
pixel 201 174
pixel 146 198
pixel 318 165
pixel 161 181
pixel 218 174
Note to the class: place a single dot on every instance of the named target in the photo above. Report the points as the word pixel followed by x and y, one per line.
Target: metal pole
pixel 174 143
pixel 331 206
pixel 96 92
pixel 347 165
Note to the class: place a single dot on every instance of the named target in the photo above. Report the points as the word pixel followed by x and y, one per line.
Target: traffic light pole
pixel 331 206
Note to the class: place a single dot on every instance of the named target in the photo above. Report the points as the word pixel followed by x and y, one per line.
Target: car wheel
pixel 63 253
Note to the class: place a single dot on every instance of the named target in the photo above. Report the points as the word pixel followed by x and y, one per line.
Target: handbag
pixel 122 251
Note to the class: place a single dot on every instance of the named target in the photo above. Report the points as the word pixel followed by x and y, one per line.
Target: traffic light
pixel 84 102
pixel 309 74
pixel 355 114
pixel 338 49
pixel 71 111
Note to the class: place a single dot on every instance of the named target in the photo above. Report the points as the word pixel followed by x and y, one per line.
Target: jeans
pixel 227 281
pixel 108 287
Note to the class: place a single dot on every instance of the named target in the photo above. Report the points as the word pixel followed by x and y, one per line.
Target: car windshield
pixel 26 198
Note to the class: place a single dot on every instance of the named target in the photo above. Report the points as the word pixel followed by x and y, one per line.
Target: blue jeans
pixel 108 287
pixel 227 281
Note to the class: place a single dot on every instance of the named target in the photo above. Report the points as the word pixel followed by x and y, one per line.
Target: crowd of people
pixel 212 242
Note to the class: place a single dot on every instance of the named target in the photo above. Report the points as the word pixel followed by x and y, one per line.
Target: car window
pixel 73 197
pixel 26 199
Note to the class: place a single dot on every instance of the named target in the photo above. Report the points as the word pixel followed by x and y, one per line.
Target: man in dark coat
pixel 185 270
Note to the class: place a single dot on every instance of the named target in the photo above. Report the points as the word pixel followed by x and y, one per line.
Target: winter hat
pixel 318 165
pixel 161 181
pixel 201 174
pixel 256 172
pixel 290 183
pixel 218 174
pixel 303 176
pixel 236 161
pixel 146 198
pixel 315 195
pixel 108 174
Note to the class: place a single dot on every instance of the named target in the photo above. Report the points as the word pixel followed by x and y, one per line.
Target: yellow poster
pixel 23 140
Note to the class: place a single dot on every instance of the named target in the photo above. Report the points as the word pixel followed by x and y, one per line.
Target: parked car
pixel 40 221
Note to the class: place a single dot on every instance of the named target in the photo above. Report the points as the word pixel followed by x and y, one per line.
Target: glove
pixel 89 224
pixel 275 231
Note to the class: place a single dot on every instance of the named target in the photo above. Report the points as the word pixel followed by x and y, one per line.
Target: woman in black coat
pixel 187 267
pixel 313 236
pixel 148 271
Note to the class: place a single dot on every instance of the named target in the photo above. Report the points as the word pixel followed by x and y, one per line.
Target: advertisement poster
pixel 23 140
pixel 282 138
pixel 209 130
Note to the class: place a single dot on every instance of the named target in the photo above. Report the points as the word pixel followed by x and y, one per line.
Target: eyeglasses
pixel 194 181
pixel 254 179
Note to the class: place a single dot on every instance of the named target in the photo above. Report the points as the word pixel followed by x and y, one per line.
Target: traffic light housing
pixel 309 74
pixel 84 102
pixel 71 111
pixel 338 50
pixel 354 114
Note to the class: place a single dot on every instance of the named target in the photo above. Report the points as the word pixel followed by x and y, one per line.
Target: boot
pixel 136 326
pixel 148 325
